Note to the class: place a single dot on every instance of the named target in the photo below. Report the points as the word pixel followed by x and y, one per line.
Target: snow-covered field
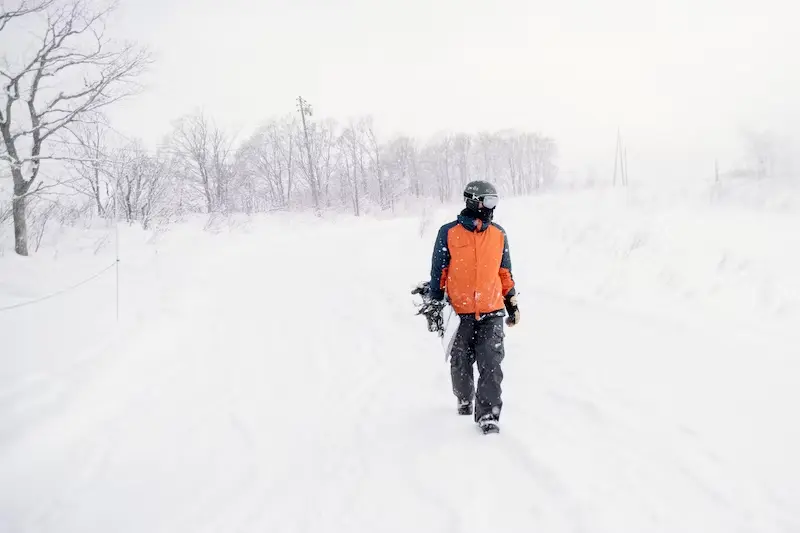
pixel 270 375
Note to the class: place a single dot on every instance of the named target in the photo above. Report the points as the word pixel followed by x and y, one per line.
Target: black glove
pixel 432 309
pixel 423 289
pixel 513 310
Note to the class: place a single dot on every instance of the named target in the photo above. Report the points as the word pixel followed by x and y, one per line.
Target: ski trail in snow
pixel 294 390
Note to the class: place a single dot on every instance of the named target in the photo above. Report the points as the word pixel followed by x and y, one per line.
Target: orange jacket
pixel 472 263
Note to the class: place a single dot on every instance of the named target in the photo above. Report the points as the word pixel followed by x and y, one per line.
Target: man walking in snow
pixel 472 266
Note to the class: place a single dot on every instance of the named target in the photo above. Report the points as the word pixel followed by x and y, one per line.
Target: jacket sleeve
pixel 439 264
pixel 506 277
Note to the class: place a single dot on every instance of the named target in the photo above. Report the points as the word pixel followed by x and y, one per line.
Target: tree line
pixel 284 165
pixel 51 113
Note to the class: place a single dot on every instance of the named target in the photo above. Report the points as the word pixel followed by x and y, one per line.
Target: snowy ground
pixel 273 377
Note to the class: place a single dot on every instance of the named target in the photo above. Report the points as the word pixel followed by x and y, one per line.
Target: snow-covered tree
pixel 70 73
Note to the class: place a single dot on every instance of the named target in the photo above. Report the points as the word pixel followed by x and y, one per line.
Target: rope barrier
pixel 62 291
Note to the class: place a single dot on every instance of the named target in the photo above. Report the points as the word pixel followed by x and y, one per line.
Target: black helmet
pixel 478 191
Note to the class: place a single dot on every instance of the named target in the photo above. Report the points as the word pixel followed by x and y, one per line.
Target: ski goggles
pixel 489 200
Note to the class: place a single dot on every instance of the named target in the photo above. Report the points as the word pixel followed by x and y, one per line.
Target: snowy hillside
pixel 270 375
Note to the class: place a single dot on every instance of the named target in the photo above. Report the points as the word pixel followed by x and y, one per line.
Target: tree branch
pixel 25 8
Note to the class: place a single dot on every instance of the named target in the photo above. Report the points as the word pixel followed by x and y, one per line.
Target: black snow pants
pixel 479 341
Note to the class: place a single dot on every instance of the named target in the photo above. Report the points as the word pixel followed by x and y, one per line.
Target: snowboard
pixel 450 323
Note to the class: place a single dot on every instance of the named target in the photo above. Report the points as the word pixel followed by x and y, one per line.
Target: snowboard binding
pixel 430 308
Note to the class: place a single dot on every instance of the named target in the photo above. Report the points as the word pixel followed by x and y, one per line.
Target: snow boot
pixel 465 407
pixel 489 424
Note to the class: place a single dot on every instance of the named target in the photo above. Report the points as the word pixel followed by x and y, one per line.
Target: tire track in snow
pixel 640 449
pixel 546 477
pixel 625 438
pixel 333 466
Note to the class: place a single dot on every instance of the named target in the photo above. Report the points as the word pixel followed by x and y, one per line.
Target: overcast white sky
pixel 680 77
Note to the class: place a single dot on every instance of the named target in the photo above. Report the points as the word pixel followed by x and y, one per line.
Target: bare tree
pixel 5 214
pixel 286 147
pixel 267 161
pixel 462 145
pixel 306 111
pixel 142 182
pixel 401 156
pixel 529 147
pixel 205 153
pixel 40 218
pixel 90 162
pixel 509 148
pixel 373 149
pixel 761 149
pixel 281 142
pixel 348 180
pixel 43 94
pixel 190 143
pixel 440 163
pixel 253 170
pixel 352 142
pixel 486 145
pixel 545 151
pixel 323 142
pixel 5 207
pixel 221 152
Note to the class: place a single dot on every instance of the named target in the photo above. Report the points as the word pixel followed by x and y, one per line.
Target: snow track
pixel 291 389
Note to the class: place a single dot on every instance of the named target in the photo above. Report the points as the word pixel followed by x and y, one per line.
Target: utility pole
pixel 625 166
pixel 620 161
pixel 305 109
